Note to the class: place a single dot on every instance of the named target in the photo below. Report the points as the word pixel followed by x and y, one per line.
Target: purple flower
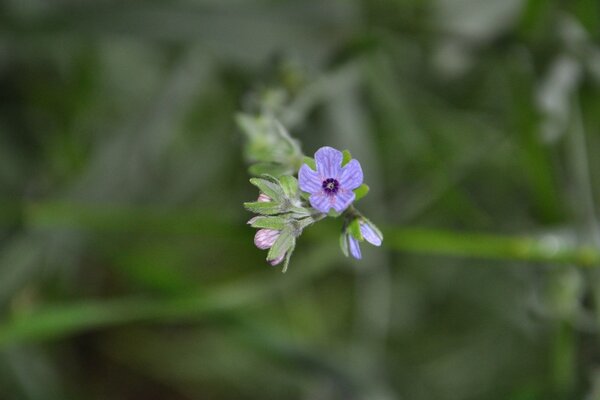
pixel 264 239
pixel 263 198
pixel 369 234
pixel 331 185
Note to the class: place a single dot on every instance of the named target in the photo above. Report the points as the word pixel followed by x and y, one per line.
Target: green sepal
pixel 347 157
pixel 354 229
pixel 344 244
pixel 332 213
pixel 263 207
pixel 271 189
pixel 310 162
pixel 361 192
pixel 288 256
pixel 305 195
pixel 276 223
pixel 289 184
pixel 283 243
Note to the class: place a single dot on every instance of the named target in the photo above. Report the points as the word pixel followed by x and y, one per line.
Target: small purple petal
pixel 277 260
pixel 329 162
pixel 352 175
pixel 263 198
pixel 370 234
pixel 308 180
pixel 265 238
pixel 321 201
pixel 354 247
pixel 342 200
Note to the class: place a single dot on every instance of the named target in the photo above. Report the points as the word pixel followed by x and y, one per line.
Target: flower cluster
pixel 327 185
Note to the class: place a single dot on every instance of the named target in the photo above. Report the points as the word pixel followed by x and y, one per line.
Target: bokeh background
pixel 127 270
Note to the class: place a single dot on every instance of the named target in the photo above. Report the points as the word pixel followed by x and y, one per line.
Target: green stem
pixel 548 249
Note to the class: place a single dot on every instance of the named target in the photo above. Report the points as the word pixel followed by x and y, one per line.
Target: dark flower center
pixel 330 186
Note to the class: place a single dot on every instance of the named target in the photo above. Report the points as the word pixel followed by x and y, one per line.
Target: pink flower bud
pixel 265 238
pixel 263 198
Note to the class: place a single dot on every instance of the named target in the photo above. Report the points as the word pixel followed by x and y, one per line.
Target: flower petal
pixel 277 260
pixel 329 162
pixel 370 235
pixel 351 176
pixel 342 200
pixel 354 247
pixel 320 201
pixel 265 238
pixel 263 198
pixel 308 180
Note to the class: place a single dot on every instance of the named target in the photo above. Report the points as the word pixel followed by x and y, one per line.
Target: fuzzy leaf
pixel 271 189
pixel 263 208
pixel 289 184
pixel 361 192
pixel 270 168
pixel 283 243
pixel 347 157
pixel 249 125
pixel 277 223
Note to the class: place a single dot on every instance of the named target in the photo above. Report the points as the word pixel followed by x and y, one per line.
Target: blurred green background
pixel 126 267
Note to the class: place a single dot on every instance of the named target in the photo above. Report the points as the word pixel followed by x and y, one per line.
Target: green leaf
pixel 344 244
pixel 310 162
pixel 263 207
pixel 271 189
pixel 247 124
pixel 347 157
pixel 354 229
pixel 270 168
pixel 300 212
pixel 283 243
pixel 277 223
pixel 361 192
pixel 289 184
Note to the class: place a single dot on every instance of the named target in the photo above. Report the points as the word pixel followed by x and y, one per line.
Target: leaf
pixel 263 208
pixel 310 162
pixel 277 223
pixel 347 157
pixel 271 189
pixel 250 125
pixel 289 184
pixel 361 192
pixel 344 244
pixel 283 243
pixel 354 229
pixel 270 168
